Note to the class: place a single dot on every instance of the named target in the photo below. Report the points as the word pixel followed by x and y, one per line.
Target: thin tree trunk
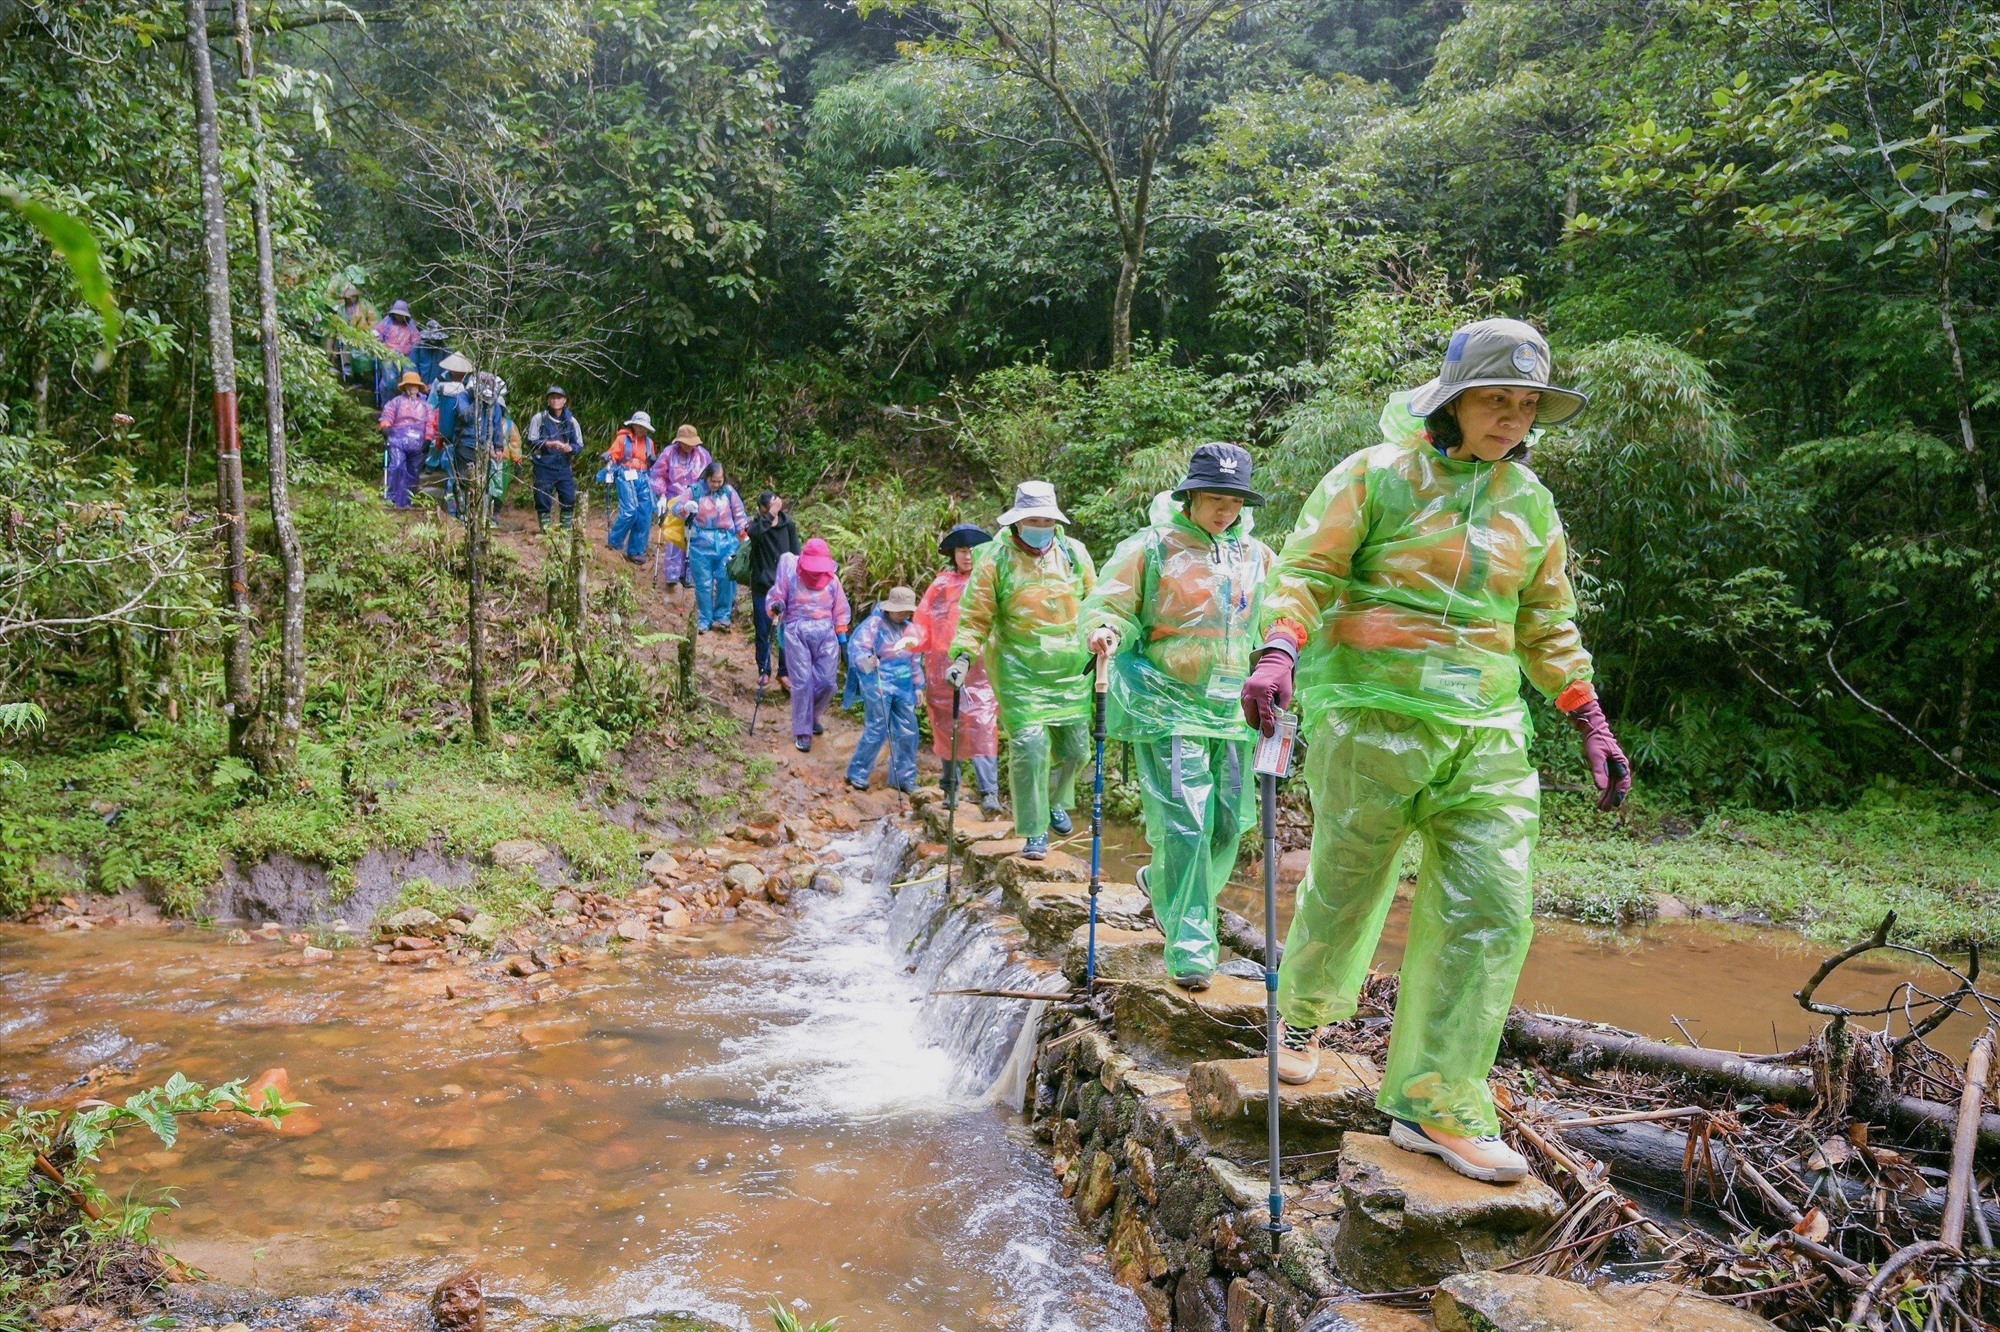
pixel 239 699
pixel 131 689
pixel 475 578
pixel 1121 307
pixel 283 747
pixel 1982 499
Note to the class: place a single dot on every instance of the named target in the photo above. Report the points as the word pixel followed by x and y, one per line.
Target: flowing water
pixel 783 1115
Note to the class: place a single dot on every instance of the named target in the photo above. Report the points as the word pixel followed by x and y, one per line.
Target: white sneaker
pixel 1486 1158
pixel 1298 1054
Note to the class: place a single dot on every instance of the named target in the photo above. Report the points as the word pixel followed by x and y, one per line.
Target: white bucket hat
pixel 1034 499
pixel 644 420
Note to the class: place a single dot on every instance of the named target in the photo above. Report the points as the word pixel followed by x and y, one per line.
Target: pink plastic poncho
pixel 932 627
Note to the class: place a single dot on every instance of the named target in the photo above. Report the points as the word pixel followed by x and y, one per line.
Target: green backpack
pixel 738 567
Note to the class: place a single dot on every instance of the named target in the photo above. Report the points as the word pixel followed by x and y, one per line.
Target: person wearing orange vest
pixel 630 461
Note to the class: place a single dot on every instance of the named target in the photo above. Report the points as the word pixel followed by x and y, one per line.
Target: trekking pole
pixel 951 796
pixel 1274 760
pixel 1096 818
pixel 753 709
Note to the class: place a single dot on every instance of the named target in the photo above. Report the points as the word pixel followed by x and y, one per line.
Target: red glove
pixel 1268 689
pixel 1608 765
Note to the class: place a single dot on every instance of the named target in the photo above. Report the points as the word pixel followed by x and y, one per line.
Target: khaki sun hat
pixel 410 379
pixel 900 599
pixel 687 434
pixel 1499 353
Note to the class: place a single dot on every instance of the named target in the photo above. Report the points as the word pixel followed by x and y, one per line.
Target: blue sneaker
pixel 1060 821
pixel 1037 848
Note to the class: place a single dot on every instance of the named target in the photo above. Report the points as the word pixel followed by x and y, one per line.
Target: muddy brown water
pixel 1730 985
pixel 752 1116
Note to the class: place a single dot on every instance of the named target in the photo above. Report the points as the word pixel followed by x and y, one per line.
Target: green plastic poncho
pixel 1419 589
pixel 1184 606
pixel 1021 611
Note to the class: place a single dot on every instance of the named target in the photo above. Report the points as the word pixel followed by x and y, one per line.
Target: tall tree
pixel 279 747
pixel 239 700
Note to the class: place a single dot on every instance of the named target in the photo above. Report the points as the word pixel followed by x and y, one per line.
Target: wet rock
pixel 1136 1255
pixel 410 943
pixel 415 921
pixel 1410 1220
pixel 411 956
pixel 1225 1021
pixel 1364 1316
pixel 1513 1302
pixel 1052 910
pixel 1668 907
pixel 778 887
pixel 1122 955
pixel 483 930
pixel 744 881
pixel 634 931
pixel 518 852
pixel 826 881
pixel 1231 1102
pixel 564 903
pixel 662 865
pixel 1199 1304
pixel 318 1167
pixel 520 964
pixel 459 1304
pixel 675 918
pixel 312 954
pixel 443 1186
pixel 1099 1188
pixel 385 1215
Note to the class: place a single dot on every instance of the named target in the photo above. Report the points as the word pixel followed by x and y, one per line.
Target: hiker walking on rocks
pixel 716 525
pixel 811 605
pixel 883 657
pixel 629 461
pixel 1424 578
pixel 1176 611
pixel 555 438
pixel 678 467
pixel 931 632
pixel 1020 612
pixel 405 421
pixel 773 535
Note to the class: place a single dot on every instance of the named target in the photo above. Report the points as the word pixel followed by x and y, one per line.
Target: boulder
pixel 459 1304
pixel 447 1186
pixel 1515 1302
pixel 564 903
pixel 1364 1316
pixel 1231 1102
pixel 483 930
pixel 744 881
pixel 662 865
pixel 1052 910
pixel 634 931
pixel 1225 1021
pixel 518 852
pixel 826 881
pixel 1410 1220
pixel 1122 955
pixel 415 921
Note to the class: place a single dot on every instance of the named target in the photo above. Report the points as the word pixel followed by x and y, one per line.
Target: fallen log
pixel 1559 1040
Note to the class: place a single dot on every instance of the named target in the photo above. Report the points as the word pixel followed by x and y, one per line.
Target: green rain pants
pixel 1196 793
pixel 1042 763
pixel 1474 798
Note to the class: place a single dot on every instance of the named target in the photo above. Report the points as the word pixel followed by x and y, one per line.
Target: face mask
pixel 1038 537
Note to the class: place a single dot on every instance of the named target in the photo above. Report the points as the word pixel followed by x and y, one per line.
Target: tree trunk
pixel 131 686
pixel 1121 305
pixel 477 508
pixel 283 747
pixel 1982 499
pixel 239 700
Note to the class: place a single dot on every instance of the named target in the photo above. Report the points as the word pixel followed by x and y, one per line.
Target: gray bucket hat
pixel 900 599
pixel 1499 353
pixel 1034 499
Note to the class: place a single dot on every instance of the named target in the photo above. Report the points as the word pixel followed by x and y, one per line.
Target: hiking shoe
pixel 818 729
pixel 803 743
pixel 1037 848
pixel 1484 1158
pixel 1298 1054
pixel 853 785
pixel 1195 982
pixel 989 804
pixel 1060 821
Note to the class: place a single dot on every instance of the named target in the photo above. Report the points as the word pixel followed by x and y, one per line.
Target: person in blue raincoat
pixel 889 665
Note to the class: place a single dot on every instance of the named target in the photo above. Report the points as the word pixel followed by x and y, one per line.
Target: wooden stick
pixel 1853 1273
pixel 1008 994
pixel 77 1199
pixel 1776 1201
pixel 1630 1117
pixel 1556 1152
pixel 1965 1139
pixel 1864 1303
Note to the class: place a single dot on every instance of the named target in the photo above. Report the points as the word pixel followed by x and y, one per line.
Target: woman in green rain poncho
pixel 1424 578
pixel 1177 606
pixel 1020 609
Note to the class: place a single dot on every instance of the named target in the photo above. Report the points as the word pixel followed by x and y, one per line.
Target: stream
pixel 753 1116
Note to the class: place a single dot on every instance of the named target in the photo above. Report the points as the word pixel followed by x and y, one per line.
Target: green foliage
pixel 62 1240
pixel 72 239
pixel 784 1320
pixel 883 535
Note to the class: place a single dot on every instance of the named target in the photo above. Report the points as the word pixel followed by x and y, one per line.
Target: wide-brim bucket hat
pixel 457 364
pixel 644 420
pixel 967 535
pixel 1034 499
pixel 410 379
pixel 1221 468
pixel 687 434
pixel 400 308
pixel 900 599
pixel 817 558
pixel 1500 353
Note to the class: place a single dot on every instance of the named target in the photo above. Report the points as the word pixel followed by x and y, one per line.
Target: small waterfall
pixel 959 946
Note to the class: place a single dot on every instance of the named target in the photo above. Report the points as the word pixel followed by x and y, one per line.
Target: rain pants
pixel 1417 590
pixel 713 520
pixel 1184 606
pixel 888 699
pixel 812 621
pixel 674 473
pixel 631 531
pixel 932 627
pixel 408 421
pixel 1020 612
pixel 554 470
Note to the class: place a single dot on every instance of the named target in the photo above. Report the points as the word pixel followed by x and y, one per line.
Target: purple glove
pixel 1608 765
pixel 1268 689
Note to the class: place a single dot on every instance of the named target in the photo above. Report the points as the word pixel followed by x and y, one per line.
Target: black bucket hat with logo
pixel 1499 353
pixel 1222 468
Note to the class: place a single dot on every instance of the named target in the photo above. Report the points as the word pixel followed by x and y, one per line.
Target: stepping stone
pixel 1052 911
pixel 969 827
pixel 1230 1097
pixel 1122 954
pixel 1410 1220
pixel 1225 1021
pixel 1515 1302
pixel 1364 1316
